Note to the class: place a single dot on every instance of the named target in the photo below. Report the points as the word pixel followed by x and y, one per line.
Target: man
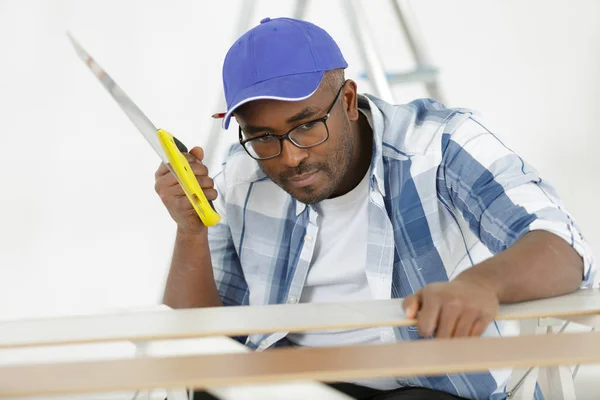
pixel 335 196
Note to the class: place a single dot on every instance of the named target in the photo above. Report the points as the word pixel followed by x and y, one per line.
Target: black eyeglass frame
pixel 287 134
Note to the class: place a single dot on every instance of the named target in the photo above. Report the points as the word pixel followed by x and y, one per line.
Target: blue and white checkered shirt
pixel 445 194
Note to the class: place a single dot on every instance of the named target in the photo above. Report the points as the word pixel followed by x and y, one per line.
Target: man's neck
pixel 361 159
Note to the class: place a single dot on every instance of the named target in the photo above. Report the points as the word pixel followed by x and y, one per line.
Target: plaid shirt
pixel 445 194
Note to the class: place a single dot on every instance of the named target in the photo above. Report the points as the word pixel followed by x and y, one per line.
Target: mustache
pixel 301 169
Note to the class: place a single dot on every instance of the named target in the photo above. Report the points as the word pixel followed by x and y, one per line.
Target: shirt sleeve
pixel 227 269
pixel 500 195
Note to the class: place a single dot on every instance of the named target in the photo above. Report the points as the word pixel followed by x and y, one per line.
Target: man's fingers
pixel 198 153
pixel 173 196
pixel 165 181
pixel 448 319
pixel 191 159
pixel 454 309
pixel 199 169
pixel 183 202
pixel 205 182
pixel 465 324
pixel 411 305
pixel 479 327
pixel 210 193
pixel 167 189
pixel 172 191
pixel 428 316
pixel 161 171
pixel 169 186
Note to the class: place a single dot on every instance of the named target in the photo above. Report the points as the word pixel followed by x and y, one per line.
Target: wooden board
pixel 231 321
pixel 416 358
pixel 299 390
pixel 201 346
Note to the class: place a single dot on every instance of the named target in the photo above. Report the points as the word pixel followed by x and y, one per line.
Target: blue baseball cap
pixel 280 59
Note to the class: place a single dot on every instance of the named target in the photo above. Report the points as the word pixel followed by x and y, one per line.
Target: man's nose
pixel 292 155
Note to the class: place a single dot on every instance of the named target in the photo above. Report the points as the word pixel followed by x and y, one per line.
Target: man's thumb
pixel 411 306
pixel 197 152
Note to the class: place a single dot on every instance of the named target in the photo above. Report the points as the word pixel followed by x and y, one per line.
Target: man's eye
pixel 263 139
pixel 307 127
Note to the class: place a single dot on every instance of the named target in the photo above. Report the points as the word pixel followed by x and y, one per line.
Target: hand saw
pixel 166 146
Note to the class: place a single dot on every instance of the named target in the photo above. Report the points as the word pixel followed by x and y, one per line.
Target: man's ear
pixel 350 99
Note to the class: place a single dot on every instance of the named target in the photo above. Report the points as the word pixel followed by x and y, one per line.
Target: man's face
pixel 311 174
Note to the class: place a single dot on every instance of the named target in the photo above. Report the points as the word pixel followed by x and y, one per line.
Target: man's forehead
pixel 270 111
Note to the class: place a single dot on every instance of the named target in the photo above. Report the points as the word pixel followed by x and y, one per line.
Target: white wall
pixel 80 226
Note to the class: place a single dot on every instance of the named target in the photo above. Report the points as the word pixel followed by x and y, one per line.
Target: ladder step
pixel 425 74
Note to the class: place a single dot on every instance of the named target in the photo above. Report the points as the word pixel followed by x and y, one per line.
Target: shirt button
pixel 292 300
pixel 308 238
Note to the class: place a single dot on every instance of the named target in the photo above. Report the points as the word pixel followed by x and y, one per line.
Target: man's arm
pixel 205 269
pixel 539 251
pixel 191 282
pixel 538 265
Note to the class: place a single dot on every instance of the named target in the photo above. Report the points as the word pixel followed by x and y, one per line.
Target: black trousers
pixel 364 393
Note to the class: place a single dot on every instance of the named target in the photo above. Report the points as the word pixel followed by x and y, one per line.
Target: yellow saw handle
pixel 187 179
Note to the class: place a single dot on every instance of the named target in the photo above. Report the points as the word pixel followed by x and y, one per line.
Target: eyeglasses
pixel 308 134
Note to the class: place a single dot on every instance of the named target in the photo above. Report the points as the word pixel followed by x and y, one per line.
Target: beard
pixel 334 169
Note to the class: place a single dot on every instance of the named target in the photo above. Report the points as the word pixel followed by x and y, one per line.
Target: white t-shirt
pixel 337 271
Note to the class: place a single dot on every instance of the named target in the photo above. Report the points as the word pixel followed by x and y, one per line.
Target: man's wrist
pixel 201 232
pixel 484 275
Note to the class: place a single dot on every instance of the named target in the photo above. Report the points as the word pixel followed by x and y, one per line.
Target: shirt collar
pixel 300 206
pixel 376 120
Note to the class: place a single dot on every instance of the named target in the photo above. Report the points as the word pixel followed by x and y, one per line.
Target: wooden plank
pixel 298 390
pixel 580 302
pixel 232 321
pixel 415 358
pixel 201 346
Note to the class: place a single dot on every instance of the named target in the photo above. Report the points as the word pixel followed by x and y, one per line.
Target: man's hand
pixel 174 198
pixel 454 309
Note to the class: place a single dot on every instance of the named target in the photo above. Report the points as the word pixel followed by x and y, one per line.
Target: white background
pixel 81 229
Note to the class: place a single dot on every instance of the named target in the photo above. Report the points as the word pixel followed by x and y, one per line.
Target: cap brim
pixel 285 88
